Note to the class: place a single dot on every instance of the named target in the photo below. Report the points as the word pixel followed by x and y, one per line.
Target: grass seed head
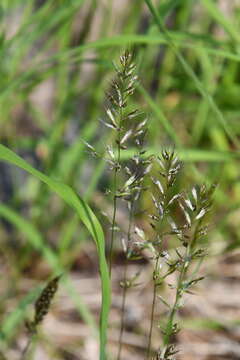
pixel 43 303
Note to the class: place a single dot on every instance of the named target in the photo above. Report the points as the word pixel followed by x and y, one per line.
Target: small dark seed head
pixel 43 302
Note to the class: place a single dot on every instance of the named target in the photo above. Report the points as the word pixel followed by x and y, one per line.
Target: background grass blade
pixel 190 72
pixel 219 17
pixel 35 240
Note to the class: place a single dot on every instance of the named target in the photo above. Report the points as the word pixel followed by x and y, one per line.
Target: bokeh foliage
pixel 55 67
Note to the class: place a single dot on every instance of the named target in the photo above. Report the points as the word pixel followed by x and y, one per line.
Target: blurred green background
pixel 55 68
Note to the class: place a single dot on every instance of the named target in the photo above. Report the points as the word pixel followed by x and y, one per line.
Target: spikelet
pixel 43 303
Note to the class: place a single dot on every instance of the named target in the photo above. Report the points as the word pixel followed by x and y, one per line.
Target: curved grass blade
pixel 89 219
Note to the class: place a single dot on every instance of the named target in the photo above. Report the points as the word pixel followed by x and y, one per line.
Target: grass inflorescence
pixel 189 231
pixel 119 117
pixel 179 216
pixel 41 309
pixel 43 303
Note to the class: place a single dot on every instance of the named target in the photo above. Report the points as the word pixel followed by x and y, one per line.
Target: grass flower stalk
pixel 169 168
pixel 118 119
pixel 195 208
pixel 41 307
pixel 125 285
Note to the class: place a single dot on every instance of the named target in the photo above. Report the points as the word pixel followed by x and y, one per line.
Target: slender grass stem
pixel 26 348
pixel 183 271
pixel 125 288
pixel 167 336
pixel 124 295
pixel 115 186
pixel 152 311
pixel 113 221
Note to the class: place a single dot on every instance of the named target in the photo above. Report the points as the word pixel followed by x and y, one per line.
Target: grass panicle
pixel 43 303
pixel 137 169
pixel 195 207
pixel 120 119
pixel 163 199
pixel 189 228
pixel 41 309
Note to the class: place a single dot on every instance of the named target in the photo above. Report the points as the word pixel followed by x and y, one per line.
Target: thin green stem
pixel 183 271
pixel 166 338
pixel 115 186
pixel 27 346
pixel 152 310
pixel 125 287
pixel 113 221
pixel 124 295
